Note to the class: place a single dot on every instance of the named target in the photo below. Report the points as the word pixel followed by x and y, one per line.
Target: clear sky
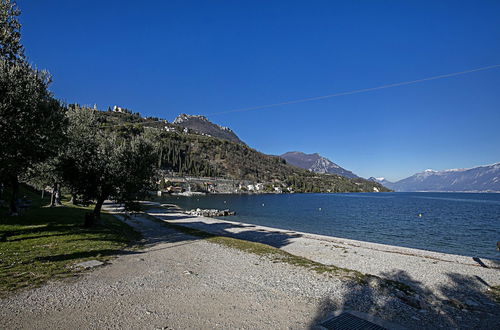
pixel 162 58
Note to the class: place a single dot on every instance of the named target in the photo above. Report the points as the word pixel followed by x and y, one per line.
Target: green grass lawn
pixel 45 242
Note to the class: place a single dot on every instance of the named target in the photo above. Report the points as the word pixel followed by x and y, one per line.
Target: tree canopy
pixel 11 48
pixel 99 162
pixel 31 121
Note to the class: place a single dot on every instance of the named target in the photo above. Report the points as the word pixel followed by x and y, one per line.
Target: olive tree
pixel 31 121
pixel 100 164
pixel 48 173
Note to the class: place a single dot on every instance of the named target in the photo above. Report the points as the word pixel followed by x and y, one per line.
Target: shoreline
pixel 461 235
pixel 182 279
pixel 442 256
pixel 433 270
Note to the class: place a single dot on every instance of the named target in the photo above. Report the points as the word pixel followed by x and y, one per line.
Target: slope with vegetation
pixel 201 155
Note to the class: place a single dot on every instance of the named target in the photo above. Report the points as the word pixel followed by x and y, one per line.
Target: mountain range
pixel 481 178
pixel 237 162
pixel 316 163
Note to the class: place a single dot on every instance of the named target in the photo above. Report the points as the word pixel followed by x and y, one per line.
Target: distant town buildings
pixel 255 187
pixel 119 109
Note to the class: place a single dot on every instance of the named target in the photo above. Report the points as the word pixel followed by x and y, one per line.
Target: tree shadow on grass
pixel 41 229
pixel 24 238
pixel 55 230
pixel 85 255
pixel 44 223
pixel 461 303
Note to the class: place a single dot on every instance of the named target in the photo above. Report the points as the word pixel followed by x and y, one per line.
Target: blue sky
pixel 162 58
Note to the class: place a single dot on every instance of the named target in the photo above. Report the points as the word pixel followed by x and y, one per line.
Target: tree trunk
pixel 13 209
pixel 161 157
pixel 98 207
pixel 58 194
pixel 74 199
pixel 53 196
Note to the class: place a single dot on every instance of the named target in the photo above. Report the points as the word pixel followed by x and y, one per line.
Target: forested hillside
pixel 188 153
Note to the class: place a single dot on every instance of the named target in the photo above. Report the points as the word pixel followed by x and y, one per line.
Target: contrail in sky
pixel 356 91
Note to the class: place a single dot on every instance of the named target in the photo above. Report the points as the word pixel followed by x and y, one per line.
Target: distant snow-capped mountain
pixel 316 163
pixel 481 178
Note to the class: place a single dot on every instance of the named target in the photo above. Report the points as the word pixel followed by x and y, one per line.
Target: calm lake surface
pixel 457 223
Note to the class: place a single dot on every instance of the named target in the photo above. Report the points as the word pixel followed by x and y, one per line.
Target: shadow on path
pixel 462 303
pixel 276 239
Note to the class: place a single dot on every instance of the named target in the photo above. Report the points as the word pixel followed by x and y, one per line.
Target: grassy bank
pixel 44 243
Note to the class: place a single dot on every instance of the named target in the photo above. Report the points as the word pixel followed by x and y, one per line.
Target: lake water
pixel 457 223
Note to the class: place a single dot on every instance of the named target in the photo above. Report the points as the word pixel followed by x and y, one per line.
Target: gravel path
pixel 179 282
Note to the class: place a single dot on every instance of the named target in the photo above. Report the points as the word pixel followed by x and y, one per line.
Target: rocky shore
pixel 210 212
